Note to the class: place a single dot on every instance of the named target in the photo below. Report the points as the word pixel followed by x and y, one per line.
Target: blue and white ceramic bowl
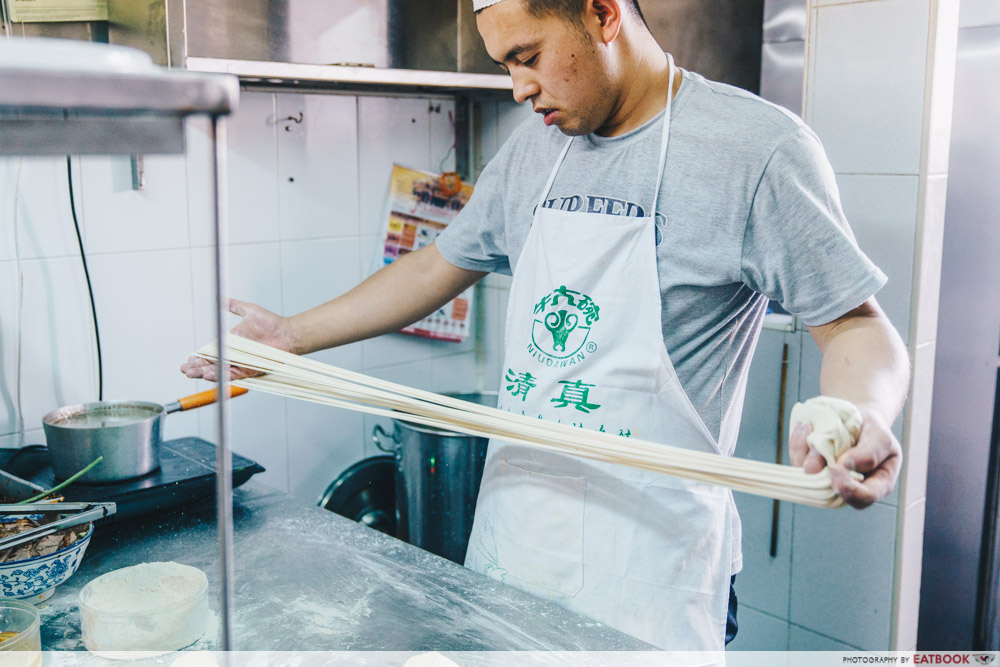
pixel 34 579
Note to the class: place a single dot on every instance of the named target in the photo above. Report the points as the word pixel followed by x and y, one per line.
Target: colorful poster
pixel 421 204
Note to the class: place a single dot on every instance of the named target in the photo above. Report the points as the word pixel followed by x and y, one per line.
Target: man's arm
pixel 865 362
pixel 394 297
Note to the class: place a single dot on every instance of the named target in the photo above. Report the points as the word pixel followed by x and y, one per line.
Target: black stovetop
pixel 186 474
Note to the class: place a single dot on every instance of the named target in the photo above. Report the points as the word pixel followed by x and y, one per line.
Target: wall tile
pixel 882 211
pixel 322 442
pixel 759 631
pixel 866 84
pixel 391 131
pixel 908 588
pixel 394 349
pixel 44 221
pixel 145 309
pixel 58 358
pixel 370 260
pixel 495 302
pixel 759 426
pixel 830 593
pixel 917 444
pixel 252 174
pixel 257 431
pixel 120 219
pixel 313 272
pixel 318 166
pixel 257 420
pixel 8 182
pixel 979 13
pixel 32 437
pixel 764 581
pixel 927 261
pixel 254 275
pixel 455 373
pixel 498 281
pixel 801 639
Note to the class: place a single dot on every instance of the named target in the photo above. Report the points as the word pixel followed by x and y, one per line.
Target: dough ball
pixel 836 424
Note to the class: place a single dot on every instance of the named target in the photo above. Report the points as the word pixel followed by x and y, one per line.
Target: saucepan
pixel 126 433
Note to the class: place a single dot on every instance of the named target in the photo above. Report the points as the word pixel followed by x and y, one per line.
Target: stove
pixel 186 474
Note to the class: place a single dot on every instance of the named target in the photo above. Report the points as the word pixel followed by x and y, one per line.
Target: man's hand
pixel 258 324
pixel 865 362
pixel 877 455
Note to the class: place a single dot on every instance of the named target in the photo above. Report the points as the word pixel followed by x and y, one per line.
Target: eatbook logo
pixel 559 333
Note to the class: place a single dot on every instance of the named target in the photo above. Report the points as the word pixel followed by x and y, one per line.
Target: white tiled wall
pixel 866 84
pixel 306 207
pixel 879 81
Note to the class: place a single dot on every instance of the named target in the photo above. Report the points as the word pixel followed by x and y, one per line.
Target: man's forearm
pixel 865 362
pixel 399 294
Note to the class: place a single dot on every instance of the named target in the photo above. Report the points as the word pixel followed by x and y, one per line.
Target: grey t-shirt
pixel 748 211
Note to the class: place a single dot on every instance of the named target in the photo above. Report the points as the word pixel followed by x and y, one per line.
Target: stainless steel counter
pixel 307 579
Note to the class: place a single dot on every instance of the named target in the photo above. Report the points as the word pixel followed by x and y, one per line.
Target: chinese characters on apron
pixel 645 553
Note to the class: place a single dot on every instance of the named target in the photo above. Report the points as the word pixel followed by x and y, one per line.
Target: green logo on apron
pixel 561 327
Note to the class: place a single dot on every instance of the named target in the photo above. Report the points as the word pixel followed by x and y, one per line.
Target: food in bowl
pixel 34 578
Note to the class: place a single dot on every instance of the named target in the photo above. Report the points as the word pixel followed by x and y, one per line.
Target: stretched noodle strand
pixel 297 377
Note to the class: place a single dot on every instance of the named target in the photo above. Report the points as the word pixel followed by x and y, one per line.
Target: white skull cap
pixel 482 4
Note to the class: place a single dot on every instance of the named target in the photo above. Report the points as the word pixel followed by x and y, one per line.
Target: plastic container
pixel 22 619
pixel 153 630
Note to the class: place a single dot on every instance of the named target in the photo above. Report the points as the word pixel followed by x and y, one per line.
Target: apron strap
pixel 552 176
pixel 663 147
pixel 666 134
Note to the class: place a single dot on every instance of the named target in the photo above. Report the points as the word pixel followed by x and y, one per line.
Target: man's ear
pixel 604 17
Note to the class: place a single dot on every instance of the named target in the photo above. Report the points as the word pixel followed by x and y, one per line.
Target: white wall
pixel 306 211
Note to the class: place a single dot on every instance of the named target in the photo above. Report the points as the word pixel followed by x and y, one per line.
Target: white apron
pixel 647 554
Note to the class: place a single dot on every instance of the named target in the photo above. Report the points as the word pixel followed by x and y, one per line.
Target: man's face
pixel 552 62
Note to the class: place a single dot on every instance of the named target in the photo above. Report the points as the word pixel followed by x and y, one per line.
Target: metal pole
pixel 224 459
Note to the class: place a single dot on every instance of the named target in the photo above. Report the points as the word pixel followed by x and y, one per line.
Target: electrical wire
pixel 90 287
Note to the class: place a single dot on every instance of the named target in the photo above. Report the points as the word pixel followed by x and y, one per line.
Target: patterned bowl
pixel 34 579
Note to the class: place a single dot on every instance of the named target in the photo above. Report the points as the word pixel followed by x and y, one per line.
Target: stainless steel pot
pixel 126 433
pixel 437 482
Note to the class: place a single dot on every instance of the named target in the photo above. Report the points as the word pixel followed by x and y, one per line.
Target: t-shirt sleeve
pixel 476 238
pixel 798 248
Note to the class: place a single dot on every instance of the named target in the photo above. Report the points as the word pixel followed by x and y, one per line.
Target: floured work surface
pixel 308 579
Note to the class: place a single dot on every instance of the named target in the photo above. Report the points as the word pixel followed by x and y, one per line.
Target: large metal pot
pixel 126 433
pixel 437 482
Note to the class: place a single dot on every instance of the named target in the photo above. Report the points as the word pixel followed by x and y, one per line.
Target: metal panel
pixel 719 39
pixel 781 74
pixel 966 363
pixel 784 20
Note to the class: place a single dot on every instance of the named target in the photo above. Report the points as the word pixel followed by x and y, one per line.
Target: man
pixel 647 219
